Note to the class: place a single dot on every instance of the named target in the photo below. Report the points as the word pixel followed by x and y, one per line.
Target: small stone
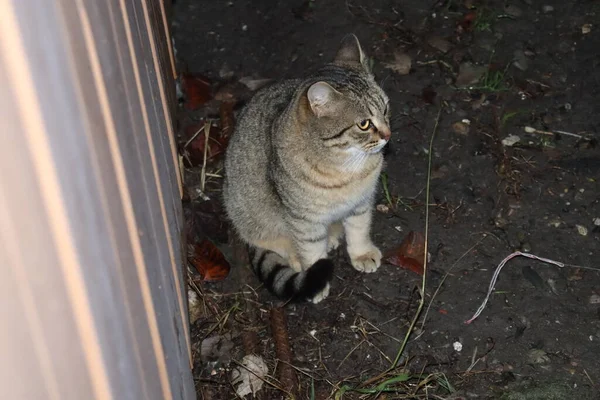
pixel 382 208
pixel 597 221
pixel 547 9
pixel 521 60
pixel 460 128
pixel 595 299
pixel 457 346
pixel 513 11
pixel 555 222
pixel 510 140
pixel 586 28
pixel 582 230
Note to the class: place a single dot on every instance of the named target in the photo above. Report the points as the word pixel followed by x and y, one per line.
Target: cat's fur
pixel 300 173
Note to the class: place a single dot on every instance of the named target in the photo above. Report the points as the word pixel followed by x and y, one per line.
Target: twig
pixel 529 129
pixel 206 136
pixel 424 278
pixel 286 374
pixel 446 276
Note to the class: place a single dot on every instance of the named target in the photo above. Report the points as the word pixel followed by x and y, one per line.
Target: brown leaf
pixel 467 21
pixel 210 262
pixel 401 64
pixel 410 253
pixel 197 90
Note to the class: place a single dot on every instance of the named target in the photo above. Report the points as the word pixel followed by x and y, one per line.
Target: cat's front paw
pixel 367 262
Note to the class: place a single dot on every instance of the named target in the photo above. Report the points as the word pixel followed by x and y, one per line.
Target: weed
pixel 484 20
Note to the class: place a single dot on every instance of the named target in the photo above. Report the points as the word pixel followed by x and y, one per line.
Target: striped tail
pixel 287 284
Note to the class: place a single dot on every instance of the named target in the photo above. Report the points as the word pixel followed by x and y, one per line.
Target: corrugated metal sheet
pixel 92 290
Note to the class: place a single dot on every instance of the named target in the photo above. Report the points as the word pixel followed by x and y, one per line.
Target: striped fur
pixel 300 173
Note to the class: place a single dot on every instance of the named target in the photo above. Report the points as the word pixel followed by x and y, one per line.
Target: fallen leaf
pixel 217 348
pixel 410 254
pixel 467 21
pixel 460 128
pixel 439 43
pixel 210 262
pixel 469 74
pixel 249 377
pixel 197 90
pixel 401 64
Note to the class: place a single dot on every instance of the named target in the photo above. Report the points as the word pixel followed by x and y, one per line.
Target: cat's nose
pixel 385 133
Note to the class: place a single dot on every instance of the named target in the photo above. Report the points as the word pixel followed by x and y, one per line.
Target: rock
pixel 513 10
pixel 586 28
pixel 401 64
pixel 469 74
pixel 596 221
pixel 520 60
pixel 547 9
pixel 582 230
pixel 595 299
pixel 382 208
pixel 439 43
pixel 510 140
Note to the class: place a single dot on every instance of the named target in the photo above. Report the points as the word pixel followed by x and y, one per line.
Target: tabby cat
pixel 301 171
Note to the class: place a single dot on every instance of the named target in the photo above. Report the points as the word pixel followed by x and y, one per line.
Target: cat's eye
pixel 364 124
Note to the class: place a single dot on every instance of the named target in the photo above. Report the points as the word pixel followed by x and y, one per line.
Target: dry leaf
pixel 439 43
pixel 197 90
pixel 248 378
pixel 401 64
pixel 469 74
pixel 410 254
pixel 210 262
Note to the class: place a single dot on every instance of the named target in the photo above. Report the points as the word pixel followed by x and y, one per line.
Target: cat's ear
pixel 350 51
pixel 322 98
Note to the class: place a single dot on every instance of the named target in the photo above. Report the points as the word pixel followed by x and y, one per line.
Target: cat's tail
pixel 287 284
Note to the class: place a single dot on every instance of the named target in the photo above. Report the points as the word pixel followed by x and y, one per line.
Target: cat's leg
pixel 336 232
pixel 310 241
pixel 365 257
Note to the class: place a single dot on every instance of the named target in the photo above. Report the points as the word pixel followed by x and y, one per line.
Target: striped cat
pixel 301 171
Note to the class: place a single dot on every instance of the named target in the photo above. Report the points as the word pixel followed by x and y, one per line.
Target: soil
pixel 539 337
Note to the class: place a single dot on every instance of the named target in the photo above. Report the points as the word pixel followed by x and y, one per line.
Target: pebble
pixel 547 9
pixel 510 140
pixel 521 60
pixel 586 28
pixel 382 208
pixel 582 230
pixel 597 221
pixel 595 299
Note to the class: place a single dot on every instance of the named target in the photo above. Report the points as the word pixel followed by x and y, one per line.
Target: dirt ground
pixel 493 68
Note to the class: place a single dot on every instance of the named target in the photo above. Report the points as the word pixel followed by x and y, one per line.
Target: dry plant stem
pixel 446 276
pixel 206 136
pixel 497 272
pixel 424 279
pixel 286 374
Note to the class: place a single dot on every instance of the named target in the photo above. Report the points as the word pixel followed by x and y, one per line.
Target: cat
pixel 301 171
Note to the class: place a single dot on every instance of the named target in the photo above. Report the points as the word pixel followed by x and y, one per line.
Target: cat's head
pixel 350 110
